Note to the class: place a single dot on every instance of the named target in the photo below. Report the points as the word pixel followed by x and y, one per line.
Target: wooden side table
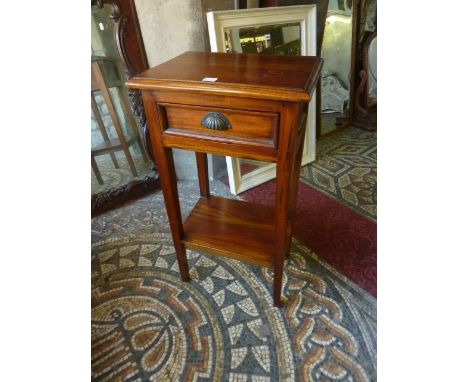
pixel 246 105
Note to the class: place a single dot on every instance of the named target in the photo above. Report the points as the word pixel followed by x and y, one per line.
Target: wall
pixel 170 28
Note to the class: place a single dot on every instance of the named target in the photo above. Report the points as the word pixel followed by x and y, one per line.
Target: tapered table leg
pixel 203 180
pixel 167 177
pixel 171 197
pixel 295 175
pixel 284 169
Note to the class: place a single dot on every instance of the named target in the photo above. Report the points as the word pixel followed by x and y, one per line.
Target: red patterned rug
pixel 338 235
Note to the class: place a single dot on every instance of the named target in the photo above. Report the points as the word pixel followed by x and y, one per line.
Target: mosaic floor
pixel 346 169
pixel 147 325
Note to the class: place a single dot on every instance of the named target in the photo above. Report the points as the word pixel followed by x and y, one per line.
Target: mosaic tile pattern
pixel 148 325
pixel 346 169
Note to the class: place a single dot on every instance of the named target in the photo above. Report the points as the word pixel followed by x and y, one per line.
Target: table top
pixel 288 78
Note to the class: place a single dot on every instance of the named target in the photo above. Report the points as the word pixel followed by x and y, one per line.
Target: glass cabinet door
pixel 119 157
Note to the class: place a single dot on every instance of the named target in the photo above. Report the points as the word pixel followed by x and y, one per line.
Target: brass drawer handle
pixel 216 121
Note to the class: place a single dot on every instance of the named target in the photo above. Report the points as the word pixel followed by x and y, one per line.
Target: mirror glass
pixel 282 39
pixel 336 52
pixel 270 39
pixel 117 155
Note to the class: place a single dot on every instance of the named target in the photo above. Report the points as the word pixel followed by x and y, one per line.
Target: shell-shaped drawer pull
pixel 216 121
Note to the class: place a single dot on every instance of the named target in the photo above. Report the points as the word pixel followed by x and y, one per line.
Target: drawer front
pixel 229 123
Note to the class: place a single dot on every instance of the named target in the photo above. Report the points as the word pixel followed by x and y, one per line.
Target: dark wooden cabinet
pixel 256 108
pixel 130 53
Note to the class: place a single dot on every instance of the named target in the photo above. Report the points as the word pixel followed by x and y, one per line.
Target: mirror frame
pixel 132 53
pixel 306 15
pixel 322 9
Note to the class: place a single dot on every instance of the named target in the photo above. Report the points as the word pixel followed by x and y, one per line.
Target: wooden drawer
pixel 241 124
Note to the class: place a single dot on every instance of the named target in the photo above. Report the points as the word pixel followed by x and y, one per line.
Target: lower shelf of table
pixel 232 228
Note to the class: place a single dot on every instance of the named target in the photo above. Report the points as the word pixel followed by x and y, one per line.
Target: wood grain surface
pixel 262 103
pixel 288 78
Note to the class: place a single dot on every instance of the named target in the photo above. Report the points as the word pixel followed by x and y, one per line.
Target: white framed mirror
pixel 278 30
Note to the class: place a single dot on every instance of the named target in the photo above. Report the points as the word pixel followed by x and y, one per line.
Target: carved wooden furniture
pixel 256 109
pixel 132 55
pixel 104 76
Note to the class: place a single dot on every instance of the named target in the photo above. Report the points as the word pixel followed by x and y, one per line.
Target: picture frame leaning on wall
pixel 223 28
